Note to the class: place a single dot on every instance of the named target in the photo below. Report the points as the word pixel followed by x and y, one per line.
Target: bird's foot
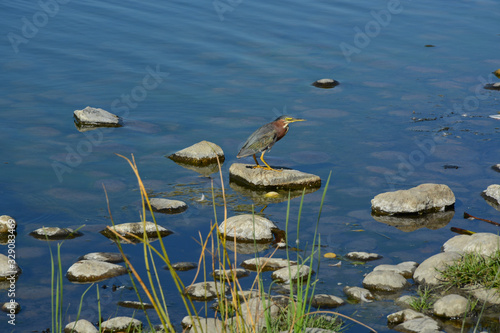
pixel 265 168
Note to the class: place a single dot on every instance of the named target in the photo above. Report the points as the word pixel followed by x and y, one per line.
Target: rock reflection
pixel 408 223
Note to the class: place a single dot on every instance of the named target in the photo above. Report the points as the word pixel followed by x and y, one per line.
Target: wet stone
pixel 204 291
pixel 55 233
pixel 135 305
pixel 95 117
pixel 112 257
pixel 291 273
pixel 405 269
pixel 425 198
pixel 168 206
pixel 80 326
pixel 121 324
pixel 228 274
pixel 200 154
pixel 11 307
pixel 387 281
pixel 266 264
pixel 184 266
pixel 87 271
pixel 7 224
pixel 7 269
pixel 358 294
pixel 324 301
pixel 325 83
pixel 451 306
pixel 246 226
pixel 136 228
pixel 258 178
pixel 363 256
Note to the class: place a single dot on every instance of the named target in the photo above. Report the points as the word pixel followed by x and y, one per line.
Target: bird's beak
pixel 296 119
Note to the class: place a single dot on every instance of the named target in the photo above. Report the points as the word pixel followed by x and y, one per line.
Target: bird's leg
pixel 255 159
pixel 267 167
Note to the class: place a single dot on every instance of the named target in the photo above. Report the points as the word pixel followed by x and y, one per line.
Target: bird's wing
pixel 262 139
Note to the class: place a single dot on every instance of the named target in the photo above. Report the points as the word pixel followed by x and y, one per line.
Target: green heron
pixel 263 139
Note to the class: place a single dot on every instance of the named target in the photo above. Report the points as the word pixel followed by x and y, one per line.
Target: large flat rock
pixel 247 175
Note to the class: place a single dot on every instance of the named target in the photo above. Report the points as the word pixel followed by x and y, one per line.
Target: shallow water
pixel 401 112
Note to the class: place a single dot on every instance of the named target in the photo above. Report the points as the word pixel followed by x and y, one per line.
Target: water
pixel 218 78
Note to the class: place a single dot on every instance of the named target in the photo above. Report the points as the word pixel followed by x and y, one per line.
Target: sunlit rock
pixel 492 196
pixel 363 256
pixel 404 315
pixel 248 227
pixel 205 325
pixel 200 154
pixel 424 198
pixel 247 175
pixel 405 269
pixel 137 229
pixel 292 273
pixel 255 310
pixel 424 325
pixel 88 271
pixel 482 243
pixel 7 224
pixel 358 294
pixel 167 206
pixel 325 301
pixel 8 269
pixel 427 272
pixel 95 117
pixel 121 324
pixel 451 306
pixel 80 326
pixel 112 257
pixel 388 281
pixel 204 291
pixel 266 264
pixel 325 83
pixel 229 274
pixel 54 233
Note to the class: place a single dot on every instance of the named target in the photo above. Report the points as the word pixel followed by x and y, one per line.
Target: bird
pixel 263 139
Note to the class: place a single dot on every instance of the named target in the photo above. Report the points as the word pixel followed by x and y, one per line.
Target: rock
pixel 200 154
pixel 87 271
pixel 404 315
pixel 112 257
pixel 80 326
pixel 425 198
pixel 405 301
pixel 426 273
pixel 488 296
pixel 205 325
pixel 266 264
pixel 358 294
pixel 204 291
pixel 247 294
pixel 11 307
pixel 294 273
pixel 228 274
pixel 496 167
pixel 492 196
pixel 136 228
pixel 492 86
pixel 258 178
pixel 135 305
pixel 423 325
pixel 409 223
pixel 7 224
pixel 451 306
pixel 254 312
pixel 246 226
pixel 485 244
pixel 95 117
pixel 363 256
pixel 54 233
pixel 167 206
pixel 324 301
pixel 7 269
pixel 325 83
pixel 183 266
pixel 405 269
pixel 388 281
pixel 121 324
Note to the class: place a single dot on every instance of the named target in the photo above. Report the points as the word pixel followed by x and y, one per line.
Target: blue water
pixel 401 112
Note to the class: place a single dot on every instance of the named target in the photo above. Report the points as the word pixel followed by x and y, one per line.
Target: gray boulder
pixel 200 154
pixel 167 206
pixel 88 271
pixel 424 198
pixel 419 325
pixel 254 312
pixel 427 272
pixel 202 325
pixel 247 175
pixel 482 243
pixel 387 281
pixel 246 226
pixel 451 306
pixel 95 117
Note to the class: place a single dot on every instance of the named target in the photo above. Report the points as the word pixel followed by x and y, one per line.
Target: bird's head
pixel 285 120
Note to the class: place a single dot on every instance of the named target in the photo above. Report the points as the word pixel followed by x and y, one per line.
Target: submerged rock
pixel 80 326
pixel 325 301
pixel 112 257
pixel 95 117
pixel 121 324
pixel 55 233
pixel 88 271
pixel 201 153
pixel 424 198
pixel 248 227
pixel 204 291
pixel 135 305
pixel 363 256
pixel 325 83
pixel 247 175
pixel 266 264
pixel 167 206
pixel 136 228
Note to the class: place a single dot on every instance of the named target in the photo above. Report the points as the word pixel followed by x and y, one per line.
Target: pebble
pixel 200 154
pixel 135 305
pixel 87 271
pixel 167 206
pixel 258 178
pixel 11 307
pixel 228 274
